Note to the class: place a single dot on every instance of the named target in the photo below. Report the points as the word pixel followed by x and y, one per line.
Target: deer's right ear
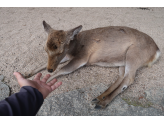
pixel 47 27
pixel 71 33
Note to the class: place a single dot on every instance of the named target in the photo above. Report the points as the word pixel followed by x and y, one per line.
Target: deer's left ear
pixel 71 33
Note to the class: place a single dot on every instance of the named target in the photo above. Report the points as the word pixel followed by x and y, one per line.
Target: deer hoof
pixel 95 101
pixel 98 107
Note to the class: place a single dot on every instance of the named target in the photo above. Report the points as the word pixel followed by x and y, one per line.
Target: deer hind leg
pixel 131 66
pixel 74 64
pixel 112 87
pixel 128 80
pixel 27 75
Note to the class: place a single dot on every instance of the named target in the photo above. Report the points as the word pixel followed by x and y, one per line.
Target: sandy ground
pixel 22 39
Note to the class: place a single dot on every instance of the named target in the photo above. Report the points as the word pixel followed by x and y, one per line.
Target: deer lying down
pixel 113 46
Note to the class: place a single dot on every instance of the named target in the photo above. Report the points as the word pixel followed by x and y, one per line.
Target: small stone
pixel 4 91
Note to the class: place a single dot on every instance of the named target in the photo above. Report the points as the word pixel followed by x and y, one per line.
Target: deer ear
pixel 71 33
pixel 47 27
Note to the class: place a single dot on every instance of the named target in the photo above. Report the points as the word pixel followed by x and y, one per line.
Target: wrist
pixel 43 93
pixel 28 86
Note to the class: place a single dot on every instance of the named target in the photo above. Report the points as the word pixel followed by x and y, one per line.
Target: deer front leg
pixel 27 75
pixel 74 64
pixel 112 87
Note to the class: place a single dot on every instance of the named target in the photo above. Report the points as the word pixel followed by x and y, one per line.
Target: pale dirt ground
pixel 22 39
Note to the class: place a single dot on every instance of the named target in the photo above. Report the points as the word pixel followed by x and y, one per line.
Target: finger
pixel 18 75
pixel 56 85
pixel 37 77
pixel 46 78
pixel 52 82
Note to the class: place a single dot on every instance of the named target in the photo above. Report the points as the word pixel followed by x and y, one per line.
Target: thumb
pixel 18 75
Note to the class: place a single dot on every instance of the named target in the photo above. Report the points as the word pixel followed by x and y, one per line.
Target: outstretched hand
pixel 41 85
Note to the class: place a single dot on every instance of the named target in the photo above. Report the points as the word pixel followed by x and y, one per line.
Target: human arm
pixel 30 98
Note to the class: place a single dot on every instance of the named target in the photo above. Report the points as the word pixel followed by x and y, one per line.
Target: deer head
pixel 57 44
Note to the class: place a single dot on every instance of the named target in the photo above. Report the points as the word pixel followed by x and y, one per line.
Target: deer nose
pixel 50 70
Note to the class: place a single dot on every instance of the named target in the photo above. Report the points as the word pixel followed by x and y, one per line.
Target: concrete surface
pixel 77 103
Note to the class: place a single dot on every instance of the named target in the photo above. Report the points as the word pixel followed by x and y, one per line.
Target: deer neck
pixel 73 45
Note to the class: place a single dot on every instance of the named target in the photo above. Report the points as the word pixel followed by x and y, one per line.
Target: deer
pixel 112 46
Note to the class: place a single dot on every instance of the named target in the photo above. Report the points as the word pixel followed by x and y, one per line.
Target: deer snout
pixel 52 68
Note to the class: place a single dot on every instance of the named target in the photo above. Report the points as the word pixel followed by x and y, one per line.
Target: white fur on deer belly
pixel 106 64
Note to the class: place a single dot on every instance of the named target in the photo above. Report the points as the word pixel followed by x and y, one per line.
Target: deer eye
pixel 55 47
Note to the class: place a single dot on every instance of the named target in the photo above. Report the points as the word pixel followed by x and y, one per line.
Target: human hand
pixel 41 85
